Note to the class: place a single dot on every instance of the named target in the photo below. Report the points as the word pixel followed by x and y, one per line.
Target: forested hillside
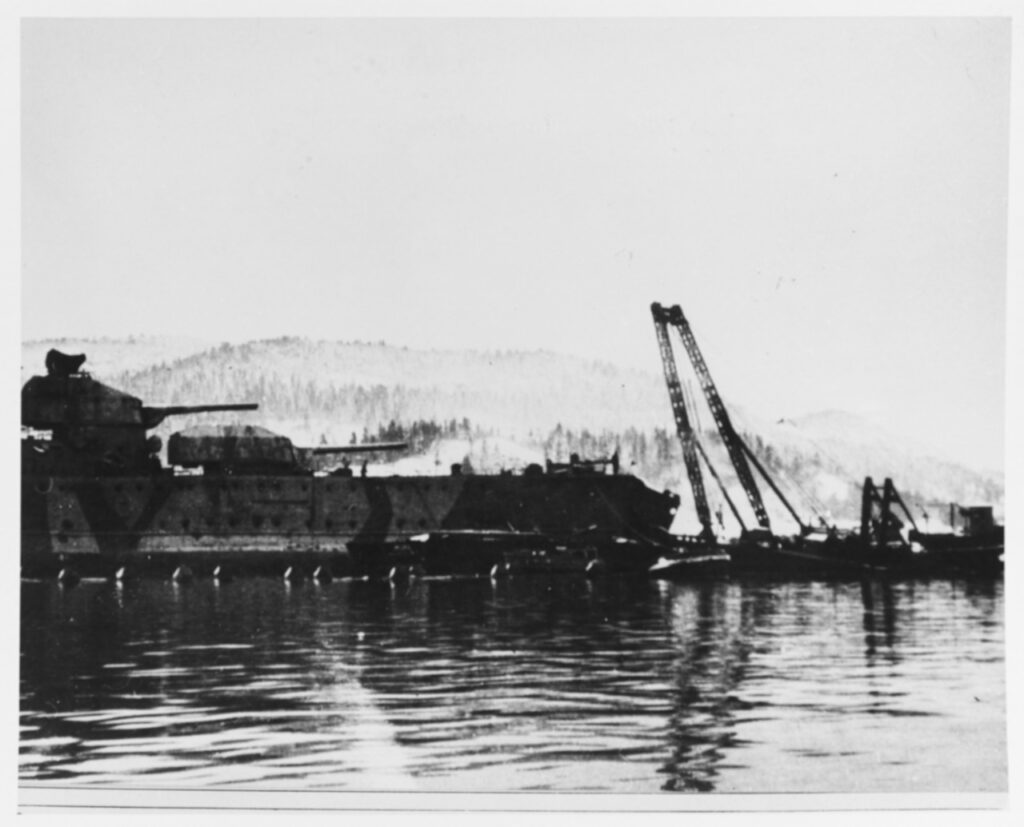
pixel 499 410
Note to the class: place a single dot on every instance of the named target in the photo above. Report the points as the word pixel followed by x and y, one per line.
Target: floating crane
pixel 739 451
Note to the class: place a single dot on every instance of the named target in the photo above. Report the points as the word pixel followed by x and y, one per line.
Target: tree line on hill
pixel 298 391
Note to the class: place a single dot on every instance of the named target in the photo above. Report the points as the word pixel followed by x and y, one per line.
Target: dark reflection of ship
pixel 712 629
pixel 512 676
pixel 520 677
pixel 879 602
pixel 149 663
pixel 597 644
pixel 532 683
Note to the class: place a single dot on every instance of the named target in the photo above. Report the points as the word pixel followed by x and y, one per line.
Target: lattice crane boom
pixel 733 444
pixel 687 438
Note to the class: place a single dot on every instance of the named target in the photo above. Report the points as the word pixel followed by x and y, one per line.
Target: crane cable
pixel 809 499
pixel 812 500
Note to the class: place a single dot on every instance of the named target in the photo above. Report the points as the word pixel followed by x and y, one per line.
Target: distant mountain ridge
pixel 330 391
pixel 111 356
pixel 357 385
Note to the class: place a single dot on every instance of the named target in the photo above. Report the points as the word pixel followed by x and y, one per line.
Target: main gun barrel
pixel 153 415
pixel 173 410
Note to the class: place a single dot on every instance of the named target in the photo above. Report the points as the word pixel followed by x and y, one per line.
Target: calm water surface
pixel 622 685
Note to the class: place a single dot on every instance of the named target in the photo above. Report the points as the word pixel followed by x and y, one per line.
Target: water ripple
pixel 528 684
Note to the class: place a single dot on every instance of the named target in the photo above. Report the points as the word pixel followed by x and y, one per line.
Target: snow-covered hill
pixel 110 357
pixel 514 408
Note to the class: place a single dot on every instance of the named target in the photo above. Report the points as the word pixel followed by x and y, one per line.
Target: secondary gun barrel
pixel 365 448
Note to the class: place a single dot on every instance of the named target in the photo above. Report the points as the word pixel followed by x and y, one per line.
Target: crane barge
pixel 759 548
pixel 880 545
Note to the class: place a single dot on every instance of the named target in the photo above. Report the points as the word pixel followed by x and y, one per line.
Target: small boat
pixel 683 567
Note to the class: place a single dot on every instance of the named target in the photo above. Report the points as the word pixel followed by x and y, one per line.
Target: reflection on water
pixel 533 684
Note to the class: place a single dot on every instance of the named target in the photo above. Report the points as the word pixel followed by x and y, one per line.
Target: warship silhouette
pixel 98 500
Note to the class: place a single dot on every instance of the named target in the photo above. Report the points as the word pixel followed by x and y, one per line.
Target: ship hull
pixel 851 557
pixel 353 525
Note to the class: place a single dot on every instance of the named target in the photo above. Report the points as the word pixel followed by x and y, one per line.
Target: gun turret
pixel 153 415
pixel 236 449
pixel 93 428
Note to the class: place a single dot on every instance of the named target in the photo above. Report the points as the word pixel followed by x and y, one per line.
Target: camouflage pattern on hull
pixel 354 525
pixel 97 497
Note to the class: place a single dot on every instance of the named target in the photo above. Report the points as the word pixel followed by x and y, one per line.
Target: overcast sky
pixel 825 198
